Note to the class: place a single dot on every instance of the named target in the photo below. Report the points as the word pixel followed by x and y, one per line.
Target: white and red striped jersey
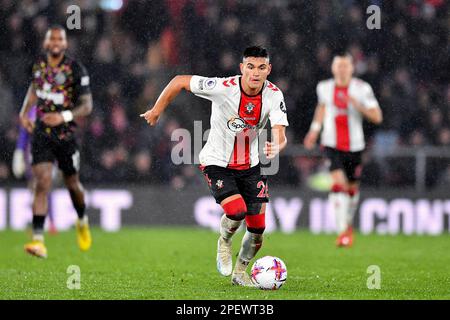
pixel 343 124
pixel 237 120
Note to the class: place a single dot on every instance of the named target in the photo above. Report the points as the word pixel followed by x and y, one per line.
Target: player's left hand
pixel 271 149
pixel 151 116
pixel 354 102
pixel 53 119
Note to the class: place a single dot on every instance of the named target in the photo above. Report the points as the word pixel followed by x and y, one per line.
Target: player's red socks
pixel 235 209
pixel 338 188
pixel 256 223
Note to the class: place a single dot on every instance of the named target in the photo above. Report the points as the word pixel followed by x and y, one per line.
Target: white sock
pixel 340 203
pixel 228 227
pixel 83 221
pixel 251 243
pixel 353 206
pixel 38 237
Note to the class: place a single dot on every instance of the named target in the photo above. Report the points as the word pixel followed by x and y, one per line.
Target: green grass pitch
pixel 179 263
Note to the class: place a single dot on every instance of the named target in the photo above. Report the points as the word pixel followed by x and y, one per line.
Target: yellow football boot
pixel 84 238
pixel 36 248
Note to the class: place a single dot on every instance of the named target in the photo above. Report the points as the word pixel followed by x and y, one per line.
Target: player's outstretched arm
pixel 84 106
pixel 167 95
pixel 30 100
pixel 278 143
pixel 316 126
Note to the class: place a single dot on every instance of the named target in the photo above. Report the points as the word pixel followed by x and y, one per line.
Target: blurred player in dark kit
pixel 60 90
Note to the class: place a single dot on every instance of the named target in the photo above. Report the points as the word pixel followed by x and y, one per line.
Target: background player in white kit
pixel 343 102
pixel 241 107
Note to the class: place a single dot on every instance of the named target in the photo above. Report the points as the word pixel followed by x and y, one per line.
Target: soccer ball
pixel 269 273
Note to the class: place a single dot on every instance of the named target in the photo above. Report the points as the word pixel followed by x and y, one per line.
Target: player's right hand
pixel 311 139
pixel 27 123
pixel 151 116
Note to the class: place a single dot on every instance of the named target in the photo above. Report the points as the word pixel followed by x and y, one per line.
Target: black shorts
pixel 47 148
pixel 224 182
pixel 349 162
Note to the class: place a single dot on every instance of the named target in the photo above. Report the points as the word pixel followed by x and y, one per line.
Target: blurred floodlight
pixel 111 5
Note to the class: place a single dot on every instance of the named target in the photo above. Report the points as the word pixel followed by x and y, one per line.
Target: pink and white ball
pixel 269 273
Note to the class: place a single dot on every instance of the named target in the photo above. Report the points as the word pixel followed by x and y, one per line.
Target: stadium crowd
pixel 133 52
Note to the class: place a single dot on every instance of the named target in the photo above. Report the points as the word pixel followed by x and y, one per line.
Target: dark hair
pixel 343 54
pixel 56 27
pixel 256 51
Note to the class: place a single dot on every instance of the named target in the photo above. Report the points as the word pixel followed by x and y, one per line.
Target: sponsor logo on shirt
pixel 238 124
pixel 342 112
pixel 283 106
pixel 57 98
pixel 200 84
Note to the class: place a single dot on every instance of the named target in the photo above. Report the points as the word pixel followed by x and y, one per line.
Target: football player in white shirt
pixel 241 106
pixel 343 102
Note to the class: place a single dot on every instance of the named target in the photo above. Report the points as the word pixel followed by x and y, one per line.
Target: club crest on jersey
pixel 210 84
pixel 60 78
pixel 340 95
pixel 219 184
pixel 249 108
